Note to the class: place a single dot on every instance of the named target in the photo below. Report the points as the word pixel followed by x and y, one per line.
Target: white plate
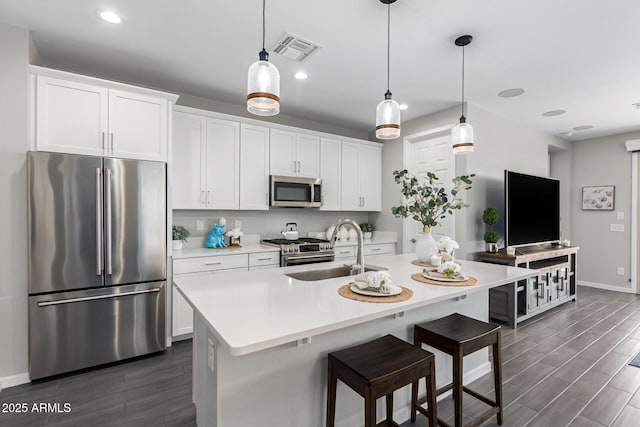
pixel 433 275
pixel 395 290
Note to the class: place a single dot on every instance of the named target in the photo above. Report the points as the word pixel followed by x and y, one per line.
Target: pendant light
pixel 462 133
pixel 388 111
pixel 263 82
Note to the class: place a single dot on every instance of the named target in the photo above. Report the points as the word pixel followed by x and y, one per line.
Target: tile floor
pixel 566 368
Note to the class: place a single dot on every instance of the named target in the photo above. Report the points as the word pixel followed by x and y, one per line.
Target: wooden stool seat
pixel 458 336
pixel 377 368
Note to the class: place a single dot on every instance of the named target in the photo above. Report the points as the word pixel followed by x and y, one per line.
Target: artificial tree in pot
pixel 490 217
pixel 367 229
pixel 428 203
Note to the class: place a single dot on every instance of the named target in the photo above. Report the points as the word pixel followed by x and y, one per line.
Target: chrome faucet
pixel 359 265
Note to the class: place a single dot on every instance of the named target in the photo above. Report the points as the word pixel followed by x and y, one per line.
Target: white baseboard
pixel 606 287
pixel 14 380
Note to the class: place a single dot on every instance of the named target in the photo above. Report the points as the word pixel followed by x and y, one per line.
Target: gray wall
pixel 500 144
pixel 14 54
pixel 602 161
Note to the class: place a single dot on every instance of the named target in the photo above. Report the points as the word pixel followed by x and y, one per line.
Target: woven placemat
pixel 420 278
pixel 422 264
pixel 345 291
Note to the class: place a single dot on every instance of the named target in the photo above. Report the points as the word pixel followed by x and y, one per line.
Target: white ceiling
pixel 580 56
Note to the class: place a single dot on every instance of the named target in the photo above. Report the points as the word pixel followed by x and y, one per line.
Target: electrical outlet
pixel 211 356
pixel 616 227
pixel 238 224
pixel 200 225
pixel 620 271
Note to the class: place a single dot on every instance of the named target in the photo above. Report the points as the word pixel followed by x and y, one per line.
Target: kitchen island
pixel 261 338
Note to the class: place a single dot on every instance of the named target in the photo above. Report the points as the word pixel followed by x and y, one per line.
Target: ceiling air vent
pixel 295 48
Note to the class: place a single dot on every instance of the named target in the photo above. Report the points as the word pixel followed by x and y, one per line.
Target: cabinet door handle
pixel 202 201
pixel 104 139
pixel 208 196
pixel 345 252
pixel 213 263
pixel 294 166
pixel 111 142
pixel 265 259
pixel 298 166
pixel 375 249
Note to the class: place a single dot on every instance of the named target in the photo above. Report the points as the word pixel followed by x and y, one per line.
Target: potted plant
pixel 490 217
pixel 428 203
pixel 179 235
pixel 367 229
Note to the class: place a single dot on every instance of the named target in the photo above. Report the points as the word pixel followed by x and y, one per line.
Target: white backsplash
pixel 267 224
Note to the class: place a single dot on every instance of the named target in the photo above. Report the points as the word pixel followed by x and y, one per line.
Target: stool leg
pixel 390 407
pixel 369 408
pixel 457 387
pixel 414 399
pixel 497 376
pixel 331 396
pixel 431 396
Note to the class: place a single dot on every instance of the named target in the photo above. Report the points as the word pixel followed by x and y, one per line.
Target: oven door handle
pixel 297 257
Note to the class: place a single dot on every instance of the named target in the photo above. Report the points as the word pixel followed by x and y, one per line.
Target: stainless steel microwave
pixel 295 192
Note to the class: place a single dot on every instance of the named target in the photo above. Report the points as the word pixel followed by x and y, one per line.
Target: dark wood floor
pixel 567 367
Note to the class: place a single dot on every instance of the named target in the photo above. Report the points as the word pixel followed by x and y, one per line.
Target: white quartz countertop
pixel 201 252
pixel 255 310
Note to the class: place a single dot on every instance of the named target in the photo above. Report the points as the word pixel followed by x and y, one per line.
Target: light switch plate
pixel 619 215
pixel 616 227
pixel 199 225
pixel 620 271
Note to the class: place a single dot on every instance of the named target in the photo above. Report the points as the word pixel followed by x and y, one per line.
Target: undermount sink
pixel 330 273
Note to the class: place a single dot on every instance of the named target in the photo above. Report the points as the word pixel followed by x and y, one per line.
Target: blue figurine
pixel 215 239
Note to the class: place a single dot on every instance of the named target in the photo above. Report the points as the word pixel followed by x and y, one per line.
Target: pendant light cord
pixel 263 21
pixel 388 43
pixel 462 106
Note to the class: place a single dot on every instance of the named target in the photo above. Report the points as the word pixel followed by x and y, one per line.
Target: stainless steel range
pixel 305 250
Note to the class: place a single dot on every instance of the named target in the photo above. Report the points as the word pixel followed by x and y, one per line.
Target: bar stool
pixel 377 368
pixel 458 336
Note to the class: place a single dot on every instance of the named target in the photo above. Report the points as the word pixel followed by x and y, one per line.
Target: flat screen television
pixel 532 209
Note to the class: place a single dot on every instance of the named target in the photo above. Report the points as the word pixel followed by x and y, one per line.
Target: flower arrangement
pixel 449 269
pixel 379 281
pixel 447 244
pixel 428 202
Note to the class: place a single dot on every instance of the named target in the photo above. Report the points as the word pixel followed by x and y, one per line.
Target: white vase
pixel 367 235
pixel 426 246
pixel 176 244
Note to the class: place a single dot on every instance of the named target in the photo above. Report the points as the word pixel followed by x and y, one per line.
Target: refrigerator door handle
pixel 93 298
pixel 99 265
pixel 108 221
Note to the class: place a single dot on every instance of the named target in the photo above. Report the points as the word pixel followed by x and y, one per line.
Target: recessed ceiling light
pixel 301 75
pixel 510 93
pixel 553 113
pixel 566 133
pixel 403 106
pixel 583 127
pixel 109 16
pixel 636 105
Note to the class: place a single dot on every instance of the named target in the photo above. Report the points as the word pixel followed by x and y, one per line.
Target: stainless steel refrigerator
pixel 97 260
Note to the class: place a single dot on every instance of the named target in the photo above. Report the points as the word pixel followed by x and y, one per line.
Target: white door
pixel 282 153
pixel 430 154
pixel 137 126
pixel 330 173
pixel 188 164
pixel 307 155
pixel 254 167
pixel 223 164
pixel 71 117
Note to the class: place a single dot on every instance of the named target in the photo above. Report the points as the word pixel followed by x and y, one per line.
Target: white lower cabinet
pixel 264 260
pixel 347 254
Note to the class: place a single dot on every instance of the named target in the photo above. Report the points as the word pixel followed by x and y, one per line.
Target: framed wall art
pixel 598 198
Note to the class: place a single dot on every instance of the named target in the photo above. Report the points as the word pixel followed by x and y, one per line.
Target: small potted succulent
pixel 490 217
pixel 179 235
pixel 367 229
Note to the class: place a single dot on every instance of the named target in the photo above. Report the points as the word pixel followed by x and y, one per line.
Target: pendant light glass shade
pixel 462 133
pixel 388 118
pixel 462 138
pixel 263 87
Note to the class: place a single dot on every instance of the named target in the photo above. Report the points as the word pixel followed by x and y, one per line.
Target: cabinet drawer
pixel 345 252
pixel 383 248
pixel 264 258
pixel 211 263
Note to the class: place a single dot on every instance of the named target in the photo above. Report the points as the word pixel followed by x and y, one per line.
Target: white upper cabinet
pixel 254 167
pixel 82 115
pixel 330 155
pixel 223 164
pixel 205 162
pixel 361 177
pixel 188 163
pixel 294 154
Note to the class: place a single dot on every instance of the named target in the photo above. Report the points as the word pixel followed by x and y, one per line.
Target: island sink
pixel 330 273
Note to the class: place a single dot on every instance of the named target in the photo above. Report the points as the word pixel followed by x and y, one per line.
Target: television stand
pixel 555 284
